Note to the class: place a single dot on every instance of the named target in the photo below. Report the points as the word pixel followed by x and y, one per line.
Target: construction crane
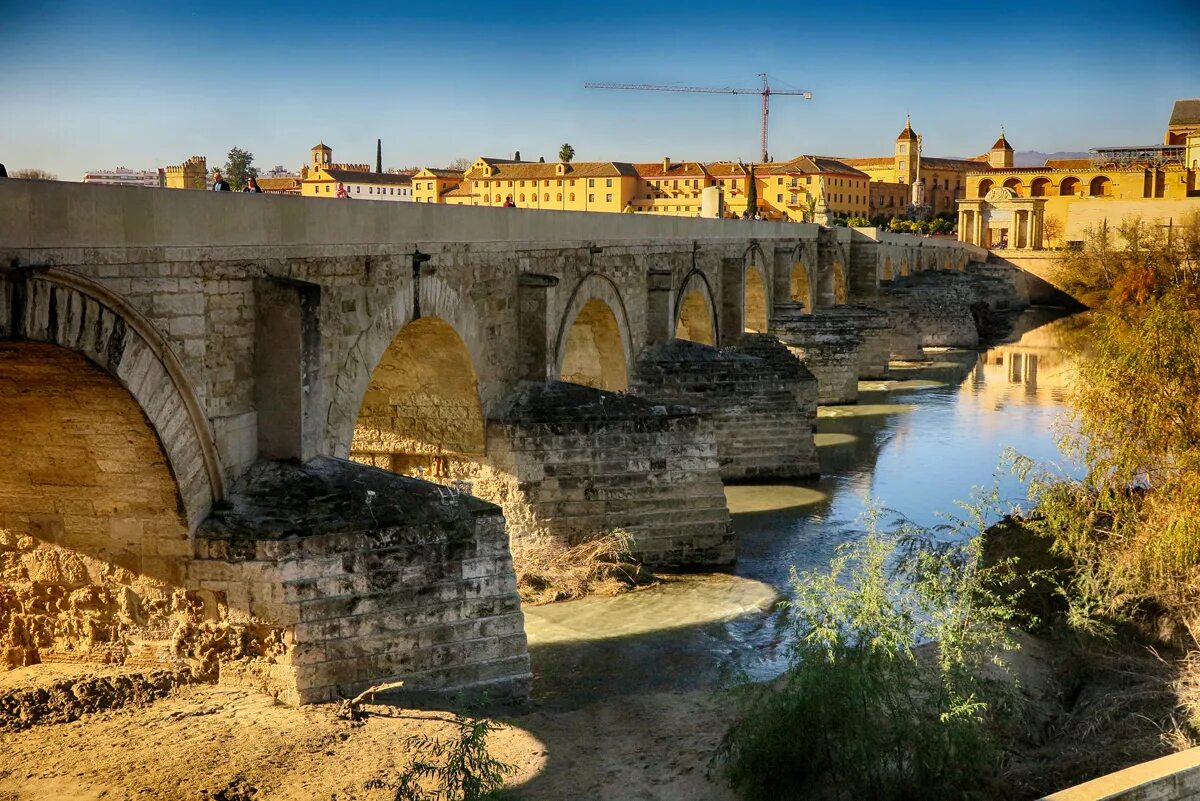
pixel 765 92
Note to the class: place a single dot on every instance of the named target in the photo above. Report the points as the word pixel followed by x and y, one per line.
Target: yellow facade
pixel 192 174
pixel 321 177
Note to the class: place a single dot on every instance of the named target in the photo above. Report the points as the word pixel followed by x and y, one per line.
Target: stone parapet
pixel 360 576
pixel 828 343
pixel 762 410
pixel 570 463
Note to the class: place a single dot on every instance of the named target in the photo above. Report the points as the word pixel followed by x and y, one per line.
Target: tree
pixel 460 163
pixel 566 153
pixel 541 159
pixel 378 155
pixel 752 194
pixel 239 168
pixel 35 174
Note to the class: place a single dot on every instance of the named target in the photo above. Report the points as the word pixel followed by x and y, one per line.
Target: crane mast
pixel 765 91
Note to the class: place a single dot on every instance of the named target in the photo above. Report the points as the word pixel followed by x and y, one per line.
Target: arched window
pixel 1101 186
pixel 1015 185
pixel 985 186
pixel 1039 187
pixel 1068 187
pixel 558 197
pixel 571 197
pixel 521 198
pixel 546 198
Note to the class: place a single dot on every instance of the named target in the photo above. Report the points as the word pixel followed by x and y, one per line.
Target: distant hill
pixel 1036 158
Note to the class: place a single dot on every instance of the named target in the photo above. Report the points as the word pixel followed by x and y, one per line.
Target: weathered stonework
pixel 827 341
pixel 874 328
pixel 762 411
pixel 370 577
pixel 569 463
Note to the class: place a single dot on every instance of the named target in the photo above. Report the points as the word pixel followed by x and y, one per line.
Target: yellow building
pixel 322 177
pixel 909 178
pixel 430 185
pixel 192 174
pixel 1071 191
pixel 563 186
pixel 812 187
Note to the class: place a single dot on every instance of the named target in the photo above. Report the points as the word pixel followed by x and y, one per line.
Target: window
pixel 608 182
pixel 546 198
pixel 358 190
pixel 903 149
pixel 608 198
pixel 370 190
pixel 510 183
pixel 794 199
pixel 487 198
pixel 522 198
pixel 571 197
pixel 327 188
pixel 591 198
pixel 901 163
pixel 779 198
pixel 808 179
pixel 558 197
pixel 779 181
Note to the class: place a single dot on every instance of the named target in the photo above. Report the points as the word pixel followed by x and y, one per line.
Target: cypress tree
pixel 752 194
pixel 378 155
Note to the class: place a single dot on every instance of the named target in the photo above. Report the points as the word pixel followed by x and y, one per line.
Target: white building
pixel 123 176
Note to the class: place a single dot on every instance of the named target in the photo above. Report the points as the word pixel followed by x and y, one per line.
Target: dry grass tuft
pixel 548 571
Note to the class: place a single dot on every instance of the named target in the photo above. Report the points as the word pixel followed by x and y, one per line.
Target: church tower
pixel 1001 155
pixel 322 156
pixel 906 154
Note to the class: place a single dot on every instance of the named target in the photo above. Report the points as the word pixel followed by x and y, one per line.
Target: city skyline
pixel 151 86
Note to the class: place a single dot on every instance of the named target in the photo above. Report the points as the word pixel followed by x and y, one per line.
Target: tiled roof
pixel 677 169
pixel 438 172
pixel 1002 144
pixel 937 163
pixel 871 161
pixel 460 190
pixel 322 146
pixel 907 134
pixel 727 169
pixel 278 184
pixel 1186 112
pixel 546 170
pixel 377 178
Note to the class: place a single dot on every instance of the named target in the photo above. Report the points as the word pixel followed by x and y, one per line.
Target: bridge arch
pixel 358 364
pixel 802 286
pixel 756 291
pixel 421 413
pixel 695 310
pixel 58 307
pixel 594 346
pixel 887 274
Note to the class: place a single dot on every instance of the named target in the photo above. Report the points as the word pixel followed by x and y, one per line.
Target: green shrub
pixel 888 693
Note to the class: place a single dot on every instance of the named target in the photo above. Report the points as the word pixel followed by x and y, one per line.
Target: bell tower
pixel 322 156
pixel 1000 157
pixel 906 154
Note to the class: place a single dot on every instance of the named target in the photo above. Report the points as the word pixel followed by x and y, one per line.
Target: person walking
pixel 508 203
pixel 252 185
pixel 219 183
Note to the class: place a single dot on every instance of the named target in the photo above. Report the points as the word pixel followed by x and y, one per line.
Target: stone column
pixel 660 307
pixel 532 332
pixel 287 366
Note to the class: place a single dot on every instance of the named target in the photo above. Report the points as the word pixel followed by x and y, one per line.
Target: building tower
pixel 322 156
pixel 1001 155
pixel 906 154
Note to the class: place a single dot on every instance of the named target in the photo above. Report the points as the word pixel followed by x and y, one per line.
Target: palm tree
pixel 566 153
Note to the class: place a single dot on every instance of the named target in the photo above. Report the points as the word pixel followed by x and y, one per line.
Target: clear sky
pixel 103 83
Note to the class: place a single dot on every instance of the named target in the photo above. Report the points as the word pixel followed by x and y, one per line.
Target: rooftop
pixel 1186 112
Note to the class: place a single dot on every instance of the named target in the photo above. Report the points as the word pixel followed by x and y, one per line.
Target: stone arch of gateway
pixel 319 425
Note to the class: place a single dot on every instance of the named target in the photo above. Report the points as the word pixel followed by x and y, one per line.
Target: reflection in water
pixel 917 446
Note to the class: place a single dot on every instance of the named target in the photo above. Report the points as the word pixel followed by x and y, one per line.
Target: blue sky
pixel 99 84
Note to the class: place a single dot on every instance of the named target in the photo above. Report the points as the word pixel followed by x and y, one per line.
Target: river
pixel 916 445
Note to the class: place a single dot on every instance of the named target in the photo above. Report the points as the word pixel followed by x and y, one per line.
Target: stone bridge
pixel 183 376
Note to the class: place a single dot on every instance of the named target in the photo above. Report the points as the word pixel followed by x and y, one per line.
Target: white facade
pixel 401 192
pixel 123 176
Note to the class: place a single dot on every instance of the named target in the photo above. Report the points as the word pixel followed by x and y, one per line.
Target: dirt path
pixel 213 743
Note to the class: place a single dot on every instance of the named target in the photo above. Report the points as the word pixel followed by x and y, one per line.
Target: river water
pixel 916 445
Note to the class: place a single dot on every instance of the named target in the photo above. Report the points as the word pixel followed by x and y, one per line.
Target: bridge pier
pixel 762 411
pixel 348 576
pixel 568 463
pixel 828 342
pixel 874 328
